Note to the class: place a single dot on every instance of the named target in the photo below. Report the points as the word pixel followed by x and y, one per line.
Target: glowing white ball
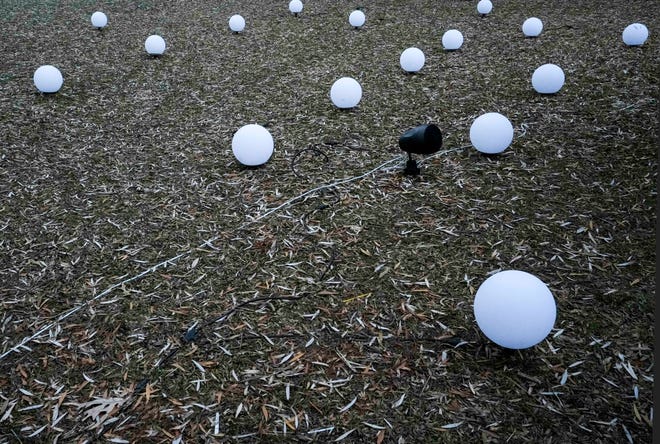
pixel 412 59
pixel 635 34
pixel 515 309
pixel 548 79
pixel 491 133
pixel 346 93
pixel 236 23
pixel 532 27
pixel 357 18
pixel 48 79
pixel 252 145
pixel 452 40
pixel 295 6
pixel 484 6
pixel 99 19
pixel 155 45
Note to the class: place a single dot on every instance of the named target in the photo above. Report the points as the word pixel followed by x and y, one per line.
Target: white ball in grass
pixel 48 79
pixel 346 92
pixel 295 6
pixel 491 133
pixel 635 34
pixel 548 79
pixel 154 45
pixel 99 19
pixel 412 59
pixel 515 309
pixel 252 145
pixel 484 6
pixel 532 27
pixel 357 18
pixel 452 40
pixel 236 23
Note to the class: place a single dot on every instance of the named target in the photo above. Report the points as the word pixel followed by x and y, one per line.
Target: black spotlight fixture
pixel 423 139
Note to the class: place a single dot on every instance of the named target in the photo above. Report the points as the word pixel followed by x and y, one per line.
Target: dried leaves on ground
pixel 154 290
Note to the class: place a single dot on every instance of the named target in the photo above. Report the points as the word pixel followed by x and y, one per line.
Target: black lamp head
pixel 423 139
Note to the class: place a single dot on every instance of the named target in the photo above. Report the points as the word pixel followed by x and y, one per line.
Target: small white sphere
pixel 48 79
pixel 154 45
pixel 532 27
pixel 357 18
pixel 295 6
pixel 252 145
pixel 484 6
pixel 99 19
pixel 452 40
pixel 635 34
pixel 236 23
pixel 346 93
pixel 491 133
pixel 515 309
pixel 548 79
pixel 412 59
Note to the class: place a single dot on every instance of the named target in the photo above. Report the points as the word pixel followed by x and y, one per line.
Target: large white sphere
pixel 99 19
pixel 357 18
pixel 491 133
pixel 532 27
pixel 412 59
pixel 154 45
pixel 252 145
pixel 635 34
pixel 452 40
pixel 48 79
pixel 484 6
pixel 346 93
pixel 514 309
pixel 295 6
pixel 236 23
pixel 548 79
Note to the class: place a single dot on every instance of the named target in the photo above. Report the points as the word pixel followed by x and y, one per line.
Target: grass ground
pixel 347 314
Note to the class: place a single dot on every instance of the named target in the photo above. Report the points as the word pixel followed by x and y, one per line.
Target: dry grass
pixel 371 335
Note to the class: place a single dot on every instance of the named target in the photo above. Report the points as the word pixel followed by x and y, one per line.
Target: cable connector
pixel 191 334
pixel 140 386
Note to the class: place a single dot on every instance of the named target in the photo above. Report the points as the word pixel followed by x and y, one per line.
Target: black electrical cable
pixel 316 148
pixel 294 159
pixel 192 334
pixel 321 207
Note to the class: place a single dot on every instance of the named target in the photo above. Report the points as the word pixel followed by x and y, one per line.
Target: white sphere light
pixel 295 6
pixel 532 27
pixel 491 133
pixel 346 93
pixel 236 23
pixel 635 34
pixel 452 40
pixel 357 18
pixel 484 6
pixel 48 79
pixel 252 145
pixel 412 59
pixel 99 19
pixel 515 309
pixel 548 79
pixel 154 45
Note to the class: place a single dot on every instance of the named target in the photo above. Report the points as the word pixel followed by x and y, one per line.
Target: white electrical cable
pixel 22 344
pixel 171 261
